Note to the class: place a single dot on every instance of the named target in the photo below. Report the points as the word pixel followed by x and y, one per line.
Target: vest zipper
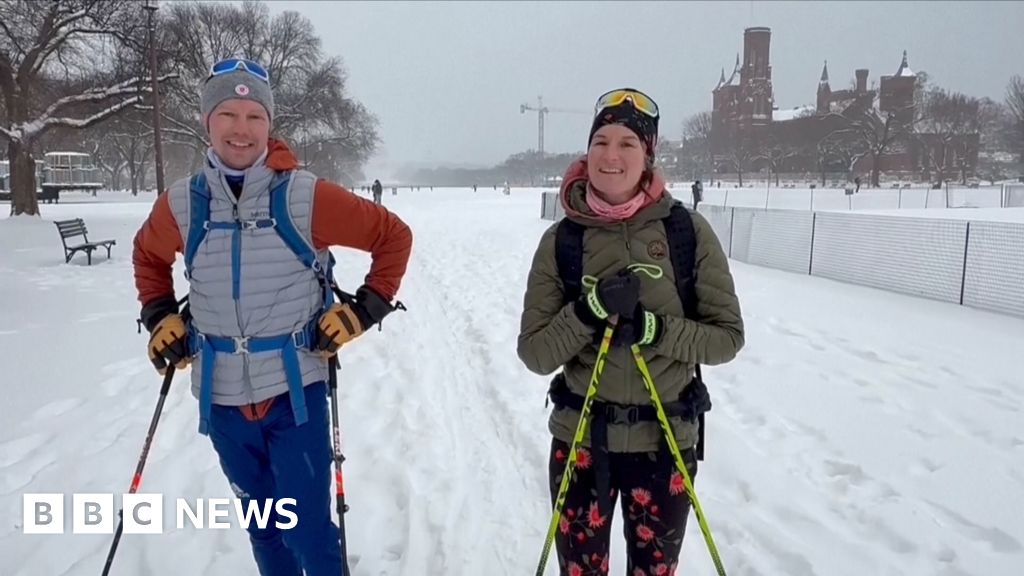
pixel 247 382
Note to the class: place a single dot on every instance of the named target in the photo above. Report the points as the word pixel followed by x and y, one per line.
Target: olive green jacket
pixel 551 336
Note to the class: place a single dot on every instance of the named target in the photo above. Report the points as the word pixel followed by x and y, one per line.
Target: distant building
pixel 744 115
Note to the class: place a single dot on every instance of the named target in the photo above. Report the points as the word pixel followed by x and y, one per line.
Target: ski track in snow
pixel 836 446
pixel 470 476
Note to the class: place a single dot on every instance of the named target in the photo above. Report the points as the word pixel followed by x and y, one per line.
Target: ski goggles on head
pixel 232 64
pixel 639 100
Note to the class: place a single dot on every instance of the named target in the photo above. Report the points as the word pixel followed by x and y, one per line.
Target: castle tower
pixel 756 99
pixel 862 80
pixel 896 92
pixel 824 91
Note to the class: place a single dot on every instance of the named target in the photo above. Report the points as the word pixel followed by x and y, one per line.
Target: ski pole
pixel 339 458
pixel 674 448
pixel 581 428
pixel 137 478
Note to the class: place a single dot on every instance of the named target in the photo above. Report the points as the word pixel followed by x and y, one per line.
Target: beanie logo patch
pixel 242 90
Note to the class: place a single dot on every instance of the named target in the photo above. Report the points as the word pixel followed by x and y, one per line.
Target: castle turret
pixel 824 91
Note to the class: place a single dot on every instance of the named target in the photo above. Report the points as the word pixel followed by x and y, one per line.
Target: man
pixel 378 192
pixel 255 233
pixel 698 193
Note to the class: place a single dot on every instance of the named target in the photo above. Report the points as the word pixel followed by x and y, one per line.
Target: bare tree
pixel 1015 105
pixel 840 151
pixel 875 131
pixel 775 154
pixel 949 129
pixel 697 131
pixel 312 109
pixel 740 156
pixel 58 67
pixel 997 151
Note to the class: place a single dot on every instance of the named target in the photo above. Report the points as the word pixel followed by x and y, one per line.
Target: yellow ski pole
pixel 581 429
pixel 674 448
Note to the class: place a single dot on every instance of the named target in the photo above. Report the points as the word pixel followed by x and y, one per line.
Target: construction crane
pixel 542 110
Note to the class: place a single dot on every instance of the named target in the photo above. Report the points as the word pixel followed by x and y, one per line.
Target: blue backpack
pixel 289 344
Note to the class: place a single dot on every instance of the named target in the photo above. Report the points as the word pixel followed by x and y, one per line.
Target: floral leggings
pixel 654 507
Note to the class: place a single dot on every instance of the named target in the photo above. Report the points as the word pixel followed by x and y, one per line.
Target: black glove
pixel 156 310
pixel 371 307
pixel 616 295
pixel 641 327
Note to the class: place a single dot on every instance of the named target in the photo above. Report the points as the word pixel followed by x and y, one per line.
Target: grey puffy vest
pixel 254 302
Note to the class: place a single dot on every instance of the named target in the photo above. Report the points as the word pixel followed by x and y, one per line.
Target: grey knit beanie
pixel 235 84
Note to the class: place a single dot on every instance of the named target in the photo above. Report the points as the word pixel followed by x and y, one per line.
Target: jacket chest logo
pixel 657 249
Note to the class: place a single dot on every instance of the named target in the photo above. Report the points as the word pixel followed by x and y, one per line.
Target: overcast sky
pixel 446 79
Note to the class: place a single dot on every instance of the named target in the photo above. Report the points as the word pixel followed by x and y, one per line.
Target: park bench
pixel 74 228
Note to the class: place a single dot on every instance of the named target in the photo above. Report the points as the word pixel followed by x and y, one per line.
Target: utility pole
pixel 151 6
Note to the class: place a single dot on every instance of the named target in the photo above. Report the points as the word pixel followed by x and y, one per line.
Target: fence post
pixel 814 225
pixel 899 203
pixel 963 275
pixel 732 221
pixel 726 202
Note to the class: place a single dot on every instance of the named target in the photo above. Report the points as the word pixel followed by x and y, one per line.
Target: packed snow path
pixel 859 432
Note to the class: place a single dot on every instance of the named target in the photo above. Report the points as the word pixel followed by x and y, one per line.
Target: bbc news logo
pixel 144 513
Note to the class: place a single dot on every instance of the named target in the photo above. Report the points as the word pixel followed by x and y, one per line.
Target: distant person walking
pixel 698 193
pixel 378 192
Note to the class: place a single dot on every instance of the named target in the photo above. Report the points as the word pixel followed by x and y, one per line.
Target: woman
pixel 619 201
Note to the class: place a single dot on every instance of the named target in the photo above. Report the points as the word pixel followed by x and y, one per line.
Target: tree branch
pixel 86 122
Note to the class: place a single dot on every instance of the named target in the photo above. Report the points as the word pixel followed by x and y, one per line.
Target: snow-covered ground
pixel 859 432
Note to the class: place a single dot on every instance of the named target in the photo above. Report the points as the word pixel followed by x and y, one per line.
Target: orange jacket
pixel 367 226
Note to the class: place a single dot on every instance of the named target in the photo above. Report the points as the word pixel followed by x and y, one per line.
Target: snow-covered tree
pixel 874 131
pixel 59 67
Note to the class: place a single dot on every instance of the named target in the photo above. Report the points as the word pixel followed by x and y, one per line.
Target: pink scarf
pixel 616 212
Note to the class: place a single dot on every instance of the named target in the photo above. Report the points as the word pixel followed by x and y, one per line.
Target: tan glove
pixel 168 343
pixel 337 327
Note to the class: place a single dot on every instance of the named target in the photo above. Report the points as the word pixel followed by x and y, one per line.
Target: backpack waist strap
pixel 289 345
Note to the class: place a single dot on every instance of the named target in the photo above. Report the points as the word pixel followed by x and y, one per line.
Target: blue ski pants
pixel 273 458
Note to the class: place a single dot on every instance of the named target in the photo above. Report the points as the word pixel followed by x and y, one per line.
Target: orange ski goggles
pixel 639 100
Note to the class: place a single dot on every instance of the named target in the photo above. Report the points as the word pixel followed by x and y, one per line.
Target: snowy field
pixel 858 433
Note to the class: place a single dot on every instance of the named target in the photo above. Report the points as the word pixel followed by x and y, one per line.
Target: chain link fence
pixel 973 263
pixel 1001 196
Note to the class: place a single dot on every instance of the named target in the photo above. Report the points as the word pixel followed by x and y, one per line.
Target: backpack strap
pixel 289 344
pixel 682 247
pixel 569 258
pixel 289 233
pixel 199 215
